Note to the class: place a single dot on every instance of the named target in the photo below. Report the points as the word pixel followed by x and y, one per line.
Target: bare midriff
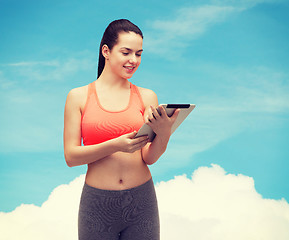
pixel 118 171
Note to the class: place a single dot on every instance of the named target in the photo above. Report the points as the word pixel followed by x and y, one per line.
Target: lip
pixel 129 68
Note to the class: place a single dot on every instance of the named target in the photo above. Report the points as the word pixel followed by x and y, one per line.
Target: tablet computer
pixel 185 110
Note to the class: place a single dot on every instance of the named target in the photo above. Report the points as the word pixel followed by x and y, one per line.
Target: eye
pixel 125 53
pixel 138 54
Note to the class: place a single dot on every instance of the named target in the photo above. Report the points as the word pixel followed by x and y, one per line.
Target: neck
pixel 109 78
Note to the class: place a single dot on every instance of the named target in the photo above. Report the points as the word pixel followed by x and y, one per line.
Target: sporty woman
pixel 118 200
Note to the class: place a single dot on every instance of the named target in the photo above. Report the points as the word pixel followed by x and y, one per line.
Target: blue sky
pixel 230 58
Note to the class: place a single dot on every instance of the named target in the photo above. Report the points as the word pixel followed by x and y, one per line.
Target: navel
pixel 120 181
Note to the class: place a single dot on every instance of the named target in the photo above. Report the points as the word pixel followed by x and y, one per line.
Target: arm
pixel 161 125
pixel 74 153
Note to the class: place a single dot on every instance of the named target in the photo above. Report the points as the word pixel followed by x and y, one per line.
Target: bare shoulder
pixel 149 97
pixel 78 92
pixel 77 96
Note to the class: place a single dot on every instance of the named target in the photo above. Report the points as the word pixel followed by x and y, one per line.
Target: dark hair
pixel 110 37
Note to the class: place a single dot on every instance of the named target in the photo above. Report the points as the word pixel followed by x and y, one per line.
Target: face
pixel 125 56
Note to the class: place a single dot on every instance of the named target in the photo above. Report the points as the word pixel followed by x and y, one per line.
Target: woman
pixel 118 199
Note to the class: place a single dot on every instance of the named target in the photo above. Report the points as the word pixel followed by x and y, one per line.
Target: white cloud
pixel 216 205
pixel 55 219
pixel 28 64
pixel 169 37
pixel 55 69
pixel 251 90
pixel 210 205
pixel 245 4
pixel 192 21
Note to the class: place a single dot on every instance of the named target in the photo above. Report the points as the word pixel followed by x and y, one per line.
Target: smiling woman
pixel 118 199
pixel 111 38
pixel 125 57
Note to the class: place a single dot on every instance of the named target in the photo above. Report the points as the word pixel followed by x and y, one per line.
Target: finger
pixel 149 113
pixel 142 139
pixel 148 122
pixel 146 118
pixel 151 116
pixel 139 139
pixel 155 113
pixel 175 115
pixel 140 145
pixel 162 111
pixel 132 134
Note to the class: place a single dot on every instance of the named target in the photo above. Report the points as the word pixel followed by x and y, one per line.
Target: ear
pixel 105 51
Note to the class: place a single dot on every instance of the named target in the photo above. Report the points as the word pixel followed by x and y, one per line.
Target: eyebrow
pixel 128 49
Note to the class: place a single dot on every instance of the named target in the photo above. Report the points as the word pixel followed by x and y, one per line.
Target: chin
pixel 127 76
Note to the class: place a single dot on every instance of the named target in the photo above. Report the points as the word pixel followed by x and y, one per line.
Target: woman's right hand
pixel 127 142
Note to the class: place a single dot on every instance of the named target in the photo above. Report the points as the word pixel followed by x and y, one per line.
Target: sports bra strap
pixel 91 89
pixel 135 89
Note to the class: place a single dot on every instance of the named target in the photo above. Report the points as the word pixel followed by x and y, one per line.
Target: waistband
pixel 118 193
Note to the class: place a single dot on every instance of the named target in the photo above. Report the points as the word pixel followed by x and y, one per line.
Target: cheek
pixel 118 63
pixel 137 66
pixel 138 62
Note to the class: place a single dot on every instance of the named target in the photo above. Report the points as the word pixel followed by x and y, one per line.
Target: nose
pixel 133 59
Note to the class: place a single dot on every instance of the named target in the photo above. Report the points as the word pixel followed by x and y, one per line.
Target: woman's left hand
pixel 160 122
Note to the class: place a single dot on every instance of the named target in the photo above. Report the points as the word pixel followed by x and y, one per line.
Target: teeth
pixel 130 68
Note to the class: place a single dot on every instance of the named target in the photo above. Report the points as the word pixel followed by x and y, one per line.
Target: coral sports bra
pixel 99 125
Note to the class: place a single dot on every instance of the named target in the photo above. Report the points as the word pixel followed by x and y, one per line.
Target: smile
pixel 130 68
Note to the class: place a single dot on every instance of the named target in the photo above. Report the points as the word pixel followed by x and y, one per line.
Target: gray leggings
pixel 129 214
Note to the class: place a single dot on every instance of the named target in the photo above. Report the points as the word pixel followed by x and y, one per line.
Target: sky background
pixel 228 57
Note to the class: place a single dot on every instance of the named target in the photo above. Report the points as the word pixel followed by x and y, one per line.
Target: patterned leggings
pixel 130 214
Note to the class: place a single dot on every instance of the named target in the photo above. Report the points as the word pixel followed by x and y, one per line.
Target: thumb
pixel 175 115
pixel 132 134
